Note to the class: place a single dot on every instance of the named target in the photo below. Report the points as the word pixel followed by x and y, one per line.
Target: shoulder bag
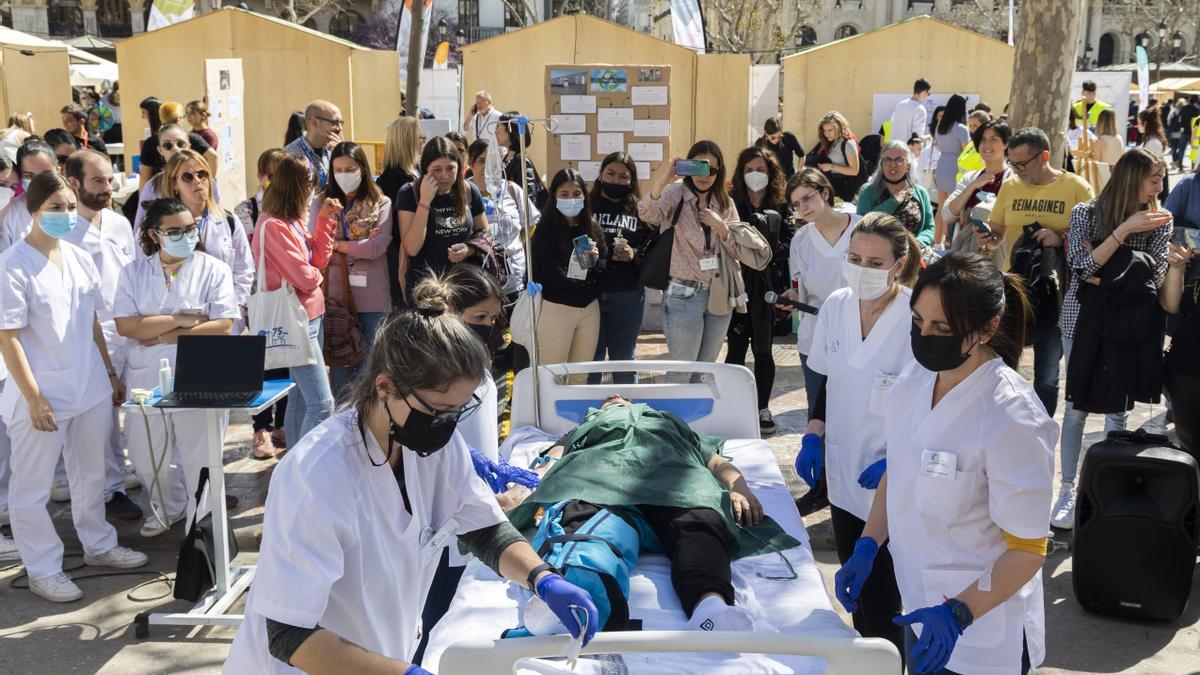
pixel 655 269
pixel 280 316
pixel 344 341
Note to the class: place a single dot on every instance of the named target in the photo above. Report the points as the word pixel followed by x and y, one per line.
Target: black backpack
pixel 196 571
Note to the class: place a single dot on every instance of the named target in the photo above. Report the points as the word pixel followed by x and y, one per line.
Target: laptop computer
pixel 217 371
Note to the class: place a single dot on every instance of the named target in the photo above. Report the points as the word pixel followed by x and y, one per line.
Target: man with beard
pixel 108 237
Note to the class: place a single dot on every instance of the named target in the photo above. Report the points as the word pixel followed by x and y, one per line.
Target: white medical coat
pixel 54 310
pixel 112 248
pixel 230 246
pixel 860 374
pixel 339 548
pixel 817 268
pixel 203 285
pixel 16 222
pixel 946 533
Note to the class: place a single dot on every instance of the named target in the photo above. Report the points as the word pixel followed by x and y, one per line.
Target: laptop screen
pixel 220 363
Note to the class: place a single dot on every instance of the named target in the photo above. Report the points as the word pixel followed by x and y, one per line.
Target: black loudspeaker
pixel 1137 524
pixel 1184 390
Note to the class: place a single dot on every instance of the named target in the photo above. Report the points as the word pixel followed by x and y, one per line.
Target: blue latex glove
pixel 810 461
pixel 871 475
pixel 562 596
pixel 486 469
pixel 849 579
pixel 939 633
pixel 515 474
pixel 414 669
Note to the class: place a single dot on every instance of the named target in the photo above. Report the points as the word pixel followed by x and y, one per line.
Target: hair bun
pixel 432 305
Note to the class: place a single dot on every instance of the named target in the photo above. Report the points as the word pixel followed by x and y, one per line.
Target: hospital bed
pixel 796 629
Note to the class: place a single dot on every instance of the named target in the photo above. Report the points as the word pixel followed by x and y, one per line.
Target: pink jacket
pixel 295 257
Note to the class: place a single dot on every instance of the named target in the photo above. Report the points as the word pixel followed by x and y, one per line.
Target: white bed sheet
pixel 485 605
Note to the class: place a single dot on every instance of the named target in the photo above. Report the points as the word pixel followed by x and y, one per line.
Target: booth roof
pixel 207 16
pixel 805 51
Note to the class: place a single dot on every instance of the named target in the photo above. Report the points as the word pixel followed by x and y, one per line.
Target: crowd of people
pixel 941 248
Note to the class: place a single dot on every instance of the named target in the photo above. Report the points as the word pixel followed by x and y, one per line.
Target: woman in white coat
pixel 966 498
pixel 861 345
pixel 173 289
pixel 58 399
pixel 359 510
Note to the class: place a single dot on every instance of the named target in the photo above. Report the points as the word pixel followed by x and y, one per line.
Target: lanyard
pixel 303 239
pixel 318 166
pixel 345 223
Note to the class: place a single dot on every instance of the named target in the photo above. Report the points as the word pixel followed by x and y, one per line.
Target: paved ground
pixel 94 635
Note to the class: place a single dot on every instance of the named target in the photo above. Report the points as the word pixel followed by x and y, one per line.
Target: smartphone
pixel 1186 236
pixel 582 245
pixel 691 167
pixel 981 227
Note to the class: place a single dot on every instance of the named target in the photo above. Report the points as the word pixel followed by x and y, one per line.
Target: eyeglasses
pixel 894 161
pixel 179 235
pixel 444 417
pixel 62 159
pixel 335 123
pixel 173 145
pixel 804 200
pixel 1020 166
pixel 189 177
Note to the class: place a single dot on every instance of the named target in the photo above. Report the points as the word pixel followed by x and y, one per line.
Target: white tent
pixel 89 70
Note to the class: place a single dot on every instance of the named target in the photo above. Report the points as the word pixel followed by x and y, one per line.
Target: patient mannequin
pixel 698 540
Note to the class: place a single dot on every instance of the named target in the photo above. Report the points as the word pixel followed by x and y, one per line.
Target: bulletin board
pixel 599 109
pixel 225 87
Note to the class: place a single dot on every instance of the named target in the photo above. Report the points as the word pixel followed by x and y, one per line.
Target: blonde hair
pixel 175 167
pixel 403 146
pixel 22 121
pixel 170 112
pixel 839 121
pixel 1106 123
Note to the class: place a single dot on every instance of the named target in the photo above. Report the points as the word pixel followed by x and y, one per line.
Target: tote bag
pixel 529 306
pixel 280 317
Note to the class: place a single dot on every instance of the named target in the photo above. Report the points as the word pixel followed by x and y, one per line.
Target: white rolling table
pixel 230 580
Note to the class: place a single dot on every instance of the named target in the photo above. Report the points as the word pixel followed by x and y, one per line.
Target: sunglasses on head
pixel 189 177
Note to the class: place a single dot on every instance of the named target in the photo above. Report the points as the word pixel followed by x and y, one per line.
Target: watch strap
pixel 961 612
pixel 533 574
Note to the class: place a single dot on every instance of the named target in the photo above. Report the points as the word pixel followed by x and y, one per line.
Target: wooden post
pixel 1047 40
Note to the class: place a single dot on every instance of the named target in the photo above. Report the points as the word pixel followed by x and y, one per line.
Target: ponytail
pixel 912 261
pixel 1009 340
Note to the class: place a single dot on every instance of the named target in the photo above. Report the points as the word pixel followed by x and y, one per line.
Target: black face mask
pixel 938 352
pixel 482 331
pixel 614 191
pixel 419 433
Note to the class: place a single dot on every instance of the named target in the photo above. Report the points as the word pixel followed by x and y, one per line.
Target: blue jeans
pixel 1071 443
pixel 813 381
pixel 620 324
pixel 342 378
pixel 910 641
pixel 693 334
pixel 311 400
pixel 1047 353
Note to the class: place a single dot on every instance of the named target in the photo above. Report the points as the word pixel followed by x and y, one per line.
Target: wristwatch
pixel 533 574
pixel 962 613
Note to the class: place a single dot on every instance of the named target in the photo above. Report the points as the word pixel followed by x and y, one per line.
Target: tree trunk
pixel 1047 41
pixel 416 59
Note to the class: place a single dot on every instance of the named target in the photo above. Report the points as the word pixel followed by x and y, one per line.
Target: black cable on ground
pixel 21 580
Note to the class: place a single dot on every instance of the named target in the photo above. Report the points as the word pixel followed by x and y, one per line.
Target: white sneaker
pixel 60 492
pixel 118 557
pixel 4 517
pixel 1062 515
pixel 8 550
pixel 56 588
pixel 132 482
pixel 766 422
pixel 152 526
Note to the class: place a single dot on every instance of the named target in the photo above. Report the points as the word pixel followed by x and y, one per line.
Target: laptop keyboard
pixel 186 396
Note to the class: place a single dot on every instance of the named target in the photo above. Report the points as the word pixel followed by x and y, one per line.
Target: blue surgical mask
pixel 25 184
pixel 570 207
pixel 183 247
pixel 57 224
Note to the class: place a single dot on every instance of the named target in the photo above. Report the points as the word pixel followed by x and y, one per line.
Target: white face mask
pixel 348 181
pixel 865 282
pixel 756 180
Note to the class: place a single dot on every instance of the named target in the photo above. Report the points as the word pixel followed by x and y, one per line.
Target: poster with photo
pixel 601 109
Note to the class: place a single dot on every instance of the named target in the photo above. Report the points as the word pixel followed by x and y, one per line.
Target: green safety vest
pixel 1195 141
pixel 887 130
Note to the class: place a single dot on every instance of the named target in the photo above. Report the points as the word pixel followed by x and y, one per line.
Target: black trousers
pixel 879 600
pixel 272 418
pixel 437 602
pixel 742 339
pixel 697 543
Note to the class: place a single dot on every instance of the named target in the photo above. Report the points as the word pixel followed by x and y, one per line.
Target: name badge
pixel 575 271
pixel 939 464
pixel 885 380
pixel 708 264
pixel 432 541
pixel 358 280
